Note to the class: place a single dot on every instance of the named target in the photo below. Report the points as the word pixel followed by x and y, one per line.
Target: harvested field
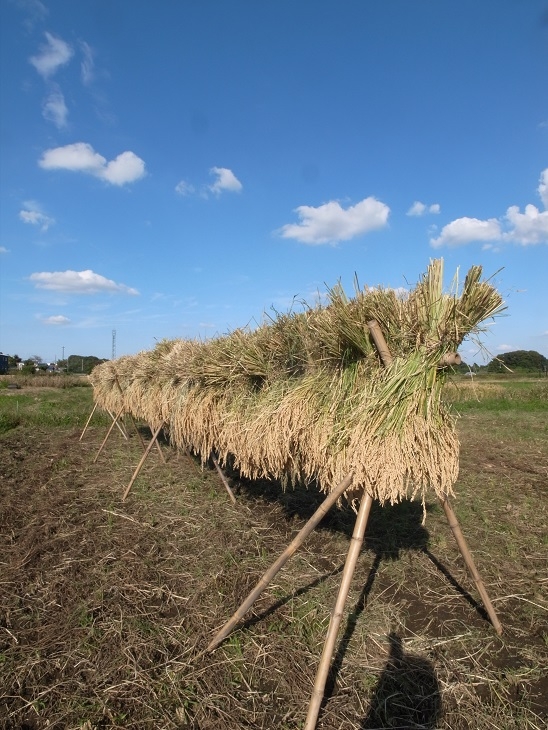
pixel 106 606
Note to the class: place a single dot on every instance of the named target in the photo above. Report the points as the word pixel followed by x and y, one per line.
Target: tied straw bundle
pixel 305 396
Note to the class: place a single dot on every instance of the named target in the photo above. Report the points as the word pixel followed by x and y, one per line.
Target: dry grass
pixel 106 607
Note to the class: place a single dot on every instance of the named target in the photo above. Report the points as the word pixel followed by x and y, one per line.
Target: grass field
pixel 106 606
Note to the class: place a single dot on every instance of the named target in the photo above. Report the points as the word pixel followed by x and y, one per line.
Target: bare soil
pixel 106 606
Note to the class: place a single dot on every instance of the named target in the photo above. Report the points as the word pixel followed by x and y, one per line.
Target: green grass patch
pixel 498 395
pixel 47 407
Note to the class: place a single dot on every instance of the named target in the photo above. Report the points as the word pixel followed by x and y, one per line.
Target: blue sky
pixel 175 169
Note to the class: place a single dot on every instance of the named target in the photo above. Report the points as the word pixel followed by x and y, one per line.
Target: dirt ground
pixel 106 606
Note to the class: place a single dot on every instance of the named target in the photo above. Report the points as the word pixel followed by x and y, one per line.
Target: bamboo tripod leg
pixel 223 478
pixel 465 552
pixel 142 440
pixel 88 421
pixel 138 432
pixel 114 420
pixel 139 466
pixel 292 548
pixel 159 448
pixel 336 616
pixel 119 425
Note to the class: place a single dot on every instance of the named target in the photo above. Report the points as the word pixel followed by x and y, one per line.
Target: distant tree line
pixel 82 364
pixel 527 362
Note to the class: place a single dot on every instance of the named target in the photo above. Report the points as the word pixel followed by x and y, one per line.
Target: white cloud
pixel 329 223
pixel 419 209
pixel 78 282
pixel 87 66
pixel 53 54
pixel 126 168
pixel 465 230
pixel 55 110
pixel 56 319
pixel 527 228
pixel 184 188
pixel 81 157
pixel 505 348
pixel 32 213
pixel 3 249
pixel 226 181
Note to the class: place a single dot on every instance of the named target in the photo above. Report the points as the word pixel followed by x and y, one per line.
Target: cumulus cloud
pixel 33 214
pixel 126 168
pixel 419 209
pixel 527 228
pixel 81 157
pixel 78 282
pixel 226 181
pixel 464 230
pixel 56 319
pixel 329 223
pixel 54 109
pixel 184 188
pixel 53 54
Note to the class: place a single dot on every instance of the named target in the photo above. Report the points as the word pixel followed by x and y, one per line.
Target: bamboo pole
pixel 139 434
pixel 139 466
pixel 450 358
pixel 292 548
pixel 336 616
pixel 159 448
pixel 386 357
pixel 120 427
pixel 122 394
pixel 109 432
pixel 223 478
pixel 465 552
pixel 380 342
pixel 88 421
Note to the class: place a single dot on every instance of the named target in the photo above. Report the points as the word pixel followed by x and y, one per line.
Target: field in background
pixel 106 606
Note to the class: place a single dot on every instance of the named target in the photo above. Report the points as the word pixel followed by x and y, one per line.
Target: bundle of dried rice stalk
pixel 305 396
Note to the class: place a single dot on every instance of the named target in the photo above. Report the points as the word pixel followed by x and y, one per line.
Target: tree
pixel 29 367
pixel 82 364
pixel 524 361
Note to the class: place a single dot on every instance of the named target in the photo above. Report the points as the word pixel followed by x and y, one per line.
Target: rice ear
pixel 304 395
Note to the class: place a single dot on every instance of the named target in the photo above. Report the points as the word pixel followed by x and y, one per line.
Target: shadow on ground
pixel 407 694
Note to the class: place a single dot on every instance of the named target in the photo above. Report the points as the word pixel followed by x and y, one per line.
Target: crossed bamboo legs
pixel 349 568
pixel 146 449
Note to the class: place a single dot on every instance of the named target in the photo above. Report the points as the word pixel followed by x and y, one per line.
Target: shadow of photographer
pixel 407 694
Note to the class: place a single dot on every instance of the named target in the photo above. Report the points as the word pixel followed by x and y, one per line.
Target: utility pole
pixel 113 345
